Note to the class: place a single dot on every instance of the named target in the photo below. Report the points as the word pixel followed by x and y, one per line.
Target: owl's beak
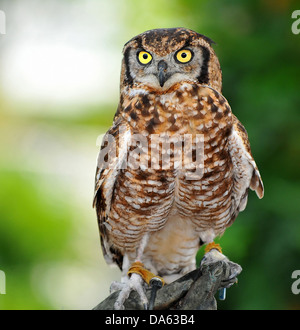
pixel 161 74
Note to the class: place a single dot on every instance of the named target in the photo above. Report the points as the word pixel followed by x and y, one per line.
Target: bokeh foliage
pixel 40 219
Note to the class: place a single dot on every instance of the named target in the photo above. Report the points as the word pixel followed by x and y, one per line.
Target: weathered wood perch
pixel 195 290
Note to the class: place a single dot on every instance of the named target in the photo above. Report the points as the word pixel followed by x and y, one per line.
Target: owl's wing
pixel 245 171
pixel 111 160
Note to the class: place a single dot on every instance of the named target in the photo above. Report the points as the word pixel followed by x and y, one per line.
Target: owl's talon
pixel 235 270
pixel 213 255
pixel 116 286
pixel 135 283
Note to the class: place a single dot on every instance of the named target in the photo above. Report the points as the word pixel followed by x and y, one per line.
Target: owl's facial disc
pixel 163 71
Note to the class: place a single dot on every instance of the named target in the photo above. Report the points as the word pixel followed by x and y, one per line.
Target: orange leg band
pixel 138 268
pixel 211 246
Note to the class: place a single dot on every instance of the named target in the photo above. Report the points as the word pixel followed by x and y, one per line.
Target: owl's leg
pixel 138 276
pixel 213 253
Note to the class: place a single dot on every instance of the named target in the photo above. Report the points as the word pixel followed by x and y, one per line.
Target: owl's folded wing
pixel 245 172
pixel 111 160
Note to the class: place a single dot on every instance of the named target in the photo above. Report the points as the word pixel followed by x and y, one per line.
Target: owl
pixel 175 167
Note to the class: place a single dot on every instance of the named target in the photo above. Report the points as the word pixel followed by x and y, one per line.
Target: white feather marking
pixel 137 91
pixel 114 168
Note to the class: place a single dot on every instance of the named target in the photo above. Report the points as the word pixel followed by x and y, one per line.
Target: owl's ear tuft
pixel 137 39
pixel 208 40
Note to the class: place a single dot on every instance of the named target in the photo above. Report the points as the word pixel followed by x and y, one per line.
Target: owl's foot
pixel 134 283
pixel 139 276
pixel 213 253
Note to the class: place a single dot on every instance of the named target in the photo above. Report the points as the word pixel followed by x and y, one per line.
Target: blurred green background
pixel 59 74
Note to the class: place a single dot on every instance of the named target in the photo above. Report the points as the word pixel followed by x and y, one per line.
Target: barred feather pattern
pixel 145 200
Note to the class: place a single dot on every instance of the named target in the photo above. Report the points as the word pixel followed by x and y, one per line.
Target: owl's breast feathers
pixel 158 180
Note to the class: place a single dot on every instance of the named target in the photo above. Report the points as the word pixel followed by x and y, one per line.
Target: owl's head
pixel 163 57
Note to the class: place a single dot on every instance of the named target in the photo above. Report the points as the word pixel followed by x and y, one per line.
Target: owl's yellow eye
pixel 184 56
pixel 144 57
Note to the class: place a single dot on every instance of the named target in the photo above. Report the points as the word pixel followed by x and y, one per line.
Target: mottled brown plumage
pixel 150 208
